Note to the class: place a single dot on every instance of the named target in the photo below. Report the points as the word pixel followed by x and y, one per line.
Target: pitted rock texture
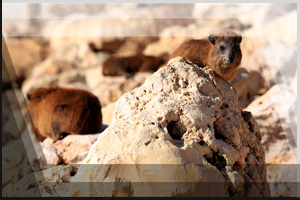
pixel 185 117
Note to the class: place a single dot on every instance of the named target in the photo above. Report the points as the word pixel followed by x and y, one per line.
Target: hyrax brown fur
pixel 117 66
pixel 56 112
pixel 221 52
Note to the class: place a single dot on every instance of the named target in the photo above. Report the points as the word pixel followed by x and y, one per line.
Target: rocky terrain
pixel 180 124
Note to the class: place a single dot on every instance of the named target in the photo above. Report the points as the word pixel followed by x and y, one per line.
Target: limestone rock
pixel 276 119
pixel 183 125
pixel 71 149
pixel 47 183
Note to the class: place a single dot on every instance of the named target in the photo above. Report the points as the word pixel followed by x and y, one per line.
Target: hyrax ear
pixel 239 39
pixel 212 38
pixel 29 96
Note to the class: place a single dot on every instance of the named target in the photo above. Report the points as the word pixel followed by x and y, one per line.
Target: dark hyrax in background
pixel 221 52
pixel 57 112
pixel 117 66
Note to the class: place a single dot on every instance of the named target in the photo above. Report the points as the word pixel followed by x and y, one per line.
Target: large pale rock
pixel 276 118
pixel 183 126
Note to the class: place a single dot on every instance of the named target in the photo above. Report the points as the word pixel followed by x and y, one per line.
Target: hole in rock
pixel 216 160
pixel 218 133
pixel 148 142
pixel 152 123
pixel 224 105
pixel 237 166
pixel 176 129
pixel 73 172
pixel 247 116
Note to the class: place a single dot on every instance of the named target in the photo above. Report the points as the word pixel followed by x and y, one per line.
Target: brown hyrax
pixel 221 52
pixel 56 112
pixel 117 66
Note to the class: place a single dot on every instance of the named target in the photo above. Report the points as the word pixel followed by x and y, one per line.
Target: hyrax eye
pixel 222 48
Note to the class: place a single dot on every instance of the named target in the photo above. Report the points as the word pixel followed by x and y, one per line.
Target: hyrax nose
pixel 231 58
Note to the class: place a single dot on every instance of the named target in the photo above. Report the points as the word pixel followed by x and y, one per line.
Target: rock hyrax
pixel 56 112
pixel 117 66
pixel 221 52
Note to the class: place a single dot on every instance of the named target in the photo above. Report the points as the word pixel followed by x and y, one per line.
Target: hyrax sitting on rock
pixel 56 112
pixel 117 66
pixel 221 52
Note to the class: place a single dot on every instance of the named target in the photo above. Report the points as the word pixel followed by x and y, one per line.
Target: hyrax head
pixel 226 48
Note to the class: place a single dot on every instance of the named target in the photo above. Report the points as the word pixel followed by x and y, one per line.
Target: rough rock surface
pixel 72 149
pixel 49 182
pixel 184 116
pixel 276 119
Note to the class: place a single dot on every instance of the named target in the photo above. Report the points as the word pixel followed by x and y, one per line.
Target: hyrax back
pixel 117 66
pixel 57 112
pixel 221 52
